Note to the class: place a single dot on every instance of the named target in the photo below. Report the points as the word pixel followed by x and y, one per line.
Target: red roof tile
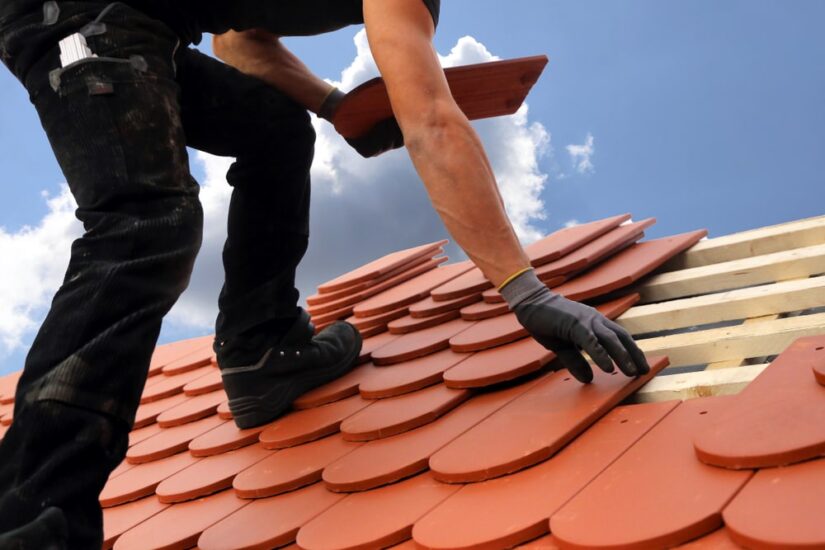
pixel 777 420
pixel 534 426
pixel 502 512
pixel 780 508
pixel 656 494
pixel 308 425
pixel 513 446
pixel 292 468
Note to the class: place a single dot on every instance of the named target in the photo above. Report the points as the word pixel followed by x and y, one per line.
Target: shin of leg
pixel 268 226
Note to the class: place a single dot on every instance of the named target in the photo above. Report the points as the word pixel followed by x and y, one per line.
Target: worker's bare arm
pixel 444 148
pixel 262 55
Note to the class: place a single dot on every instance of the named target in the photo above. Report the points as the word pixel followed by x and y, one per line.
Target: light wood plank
pixel 755 242
pixel 741 341
pixel 697 384
pixel 729 363
pixel 771 299
pixel 779 266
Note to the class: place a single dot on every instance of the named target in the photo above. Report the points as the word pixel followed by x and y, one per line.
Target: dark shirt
pixel 190 18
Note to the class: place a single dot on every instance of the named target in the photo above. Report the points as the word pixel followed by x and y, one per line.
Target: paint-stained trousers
pixel 119 125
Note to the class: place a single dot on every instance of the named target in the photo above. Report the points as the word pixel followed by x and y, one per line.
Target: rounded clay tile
pixel 470 283
pixel 429 307
pixel 374 519
pixel 718 540
pixel 326 297
pixel 534 426
pixel 409 376
pixel 166 353
pixel 819 371
pixel 568 239
pixel 658 479
pixel 121 468
pixel 168 385
pixel 144 433
pixel 224 438
pixel 142 479
pixel 201 358
pixel 209 475
pixel 224 412
pixel 381 266
pixel 291 468
pixel 489 333
pixel 346 305
pixel 410 291
pixel 372 331
pixel 170 441
pixel 194 408
pixel 784 401
pixel 780 508
pixel 339 389
pixel 7 419
pixel 374 343
pixel 148 413
pixel 596 250
pixel 628 266
pixel 419 344
pixel 205 384
pixel 382 319
pixel 268 523
pixel 308 425
pixel 180 525
pixel 396 415
pixel 408 324
pixel 120 519
pixel 482 310
pixel 387 460
pixel 497 365
pixel 514 509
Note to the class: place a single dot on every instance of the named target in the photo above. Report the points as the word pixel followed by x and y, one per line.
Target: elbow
pixel 432 126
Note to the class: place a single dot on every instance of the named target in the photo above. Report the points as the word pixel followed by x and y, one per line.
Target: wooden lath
pixel 728 303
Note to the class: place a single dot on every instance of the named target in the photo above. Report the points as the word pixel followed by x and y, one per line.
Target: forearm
pixel 263 56
pixel 451 161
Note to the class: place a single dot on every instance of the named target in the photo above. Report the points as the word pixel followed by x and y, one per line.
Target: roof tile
pixel 784 401
pixel 657 479
pixel 308 425
pixel 780 508
pixel 514 509
pixel 534 426
pixel 291 468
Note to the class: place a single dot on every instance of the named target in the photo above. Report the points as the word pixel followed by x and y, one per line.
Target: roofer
pixel 119 101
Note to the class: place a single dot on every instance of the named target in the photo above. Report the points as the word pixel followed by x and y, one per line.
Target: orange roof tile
pixel 466 438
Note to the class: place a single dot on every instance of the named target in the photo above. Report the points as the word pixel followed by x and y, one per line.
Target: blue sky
pixel 703 113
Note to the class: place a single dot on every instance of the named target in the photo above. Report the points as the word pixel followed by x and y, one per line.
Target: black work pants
pixel 119 125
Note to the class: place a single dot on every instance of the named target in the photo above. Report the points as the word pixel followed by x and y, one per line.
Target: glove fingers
pixel 615 348
pixel 573 361
pixel 586 339
pixel 638 356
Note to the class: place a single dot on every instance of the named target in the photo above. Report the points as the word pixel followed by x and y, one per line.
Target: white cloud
pixel 581 155
pixel 361 209
pixel 36 258
pixel 571 223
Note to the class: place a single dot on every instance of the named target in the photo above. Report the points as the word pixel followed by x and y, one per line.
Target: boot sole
pixel 253 411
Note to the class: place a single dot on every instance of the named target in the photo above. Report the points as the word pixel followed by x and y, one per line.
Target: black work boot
pixel 262 391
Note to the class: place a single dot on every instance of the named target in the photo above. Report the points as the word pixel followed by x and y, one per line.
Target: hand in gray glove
pixel 384 136
pixel 565 327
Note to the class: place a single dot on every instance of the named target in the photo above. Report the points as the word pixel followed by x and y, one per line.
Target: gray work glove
pixel 565 327
pixel 382 137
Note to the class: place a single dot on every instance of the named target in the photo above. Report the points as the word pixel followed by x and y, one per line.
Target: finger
pixel 586 339
pixel 638 356
pixel 610 341
pixel 578 367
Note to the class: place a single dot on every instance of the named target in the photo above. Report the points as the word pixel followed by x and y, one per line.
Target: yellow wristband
pixel 509 279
